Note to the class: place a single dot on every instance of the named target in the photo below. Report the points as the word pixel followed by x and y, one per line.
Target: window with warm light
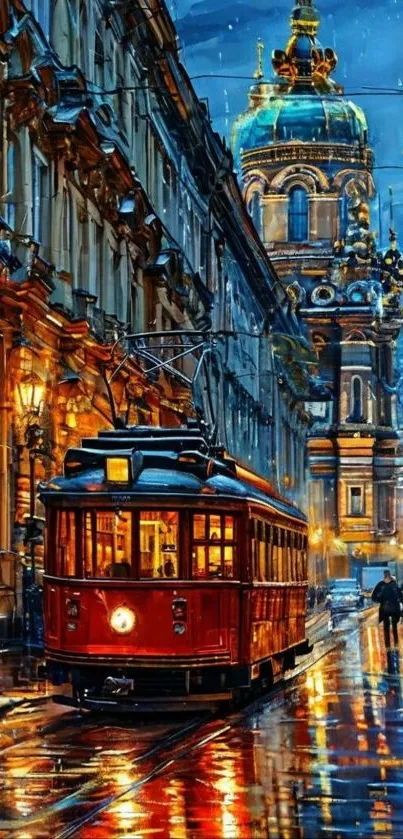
pixel 113 544
pixel 106 544
pixel 278 554
pixel 213 546
pixel 65 543
pixel 159 544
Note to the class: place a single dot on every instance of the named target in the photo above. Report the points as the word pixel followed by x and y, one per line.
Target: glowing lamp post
pixel 31 392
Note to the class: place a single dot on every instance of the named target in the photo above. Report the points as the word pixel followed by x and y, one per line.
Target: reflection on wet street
pixel 324 758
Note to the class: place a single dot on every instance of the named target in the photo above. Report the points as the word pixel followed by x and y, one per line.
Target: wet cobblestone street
pixel 323 757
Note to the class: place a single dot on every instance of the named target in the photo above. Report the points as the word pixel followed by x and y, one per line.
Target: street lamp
pixel 31 392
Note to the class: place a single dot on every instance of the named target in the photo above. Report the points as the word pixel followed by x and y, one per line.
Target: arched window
pixel 356 336
pixel 298 215
pixel 356 399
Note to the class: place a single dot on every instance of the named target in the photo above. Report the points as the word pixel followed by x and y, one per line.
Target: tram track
pixel 8 827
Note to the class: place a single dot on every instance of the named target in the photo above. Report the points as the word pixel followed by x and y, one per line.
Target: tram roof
pixel 164 463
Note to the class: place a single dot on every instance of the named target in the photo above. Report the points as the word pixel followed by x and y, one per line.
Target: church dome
pixel 303 104
pixel 304 117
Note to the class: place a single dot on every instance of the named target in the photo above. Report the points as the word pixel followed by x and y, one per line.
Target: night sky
pixel 219 37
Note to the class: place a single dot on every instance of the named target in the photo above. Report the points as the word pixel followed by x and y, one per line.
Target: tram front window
pixel 112 556
pixel 158 544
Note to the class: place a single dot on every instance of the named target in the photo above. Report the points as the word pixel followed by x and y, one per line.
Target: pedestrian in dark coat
pixel 389 596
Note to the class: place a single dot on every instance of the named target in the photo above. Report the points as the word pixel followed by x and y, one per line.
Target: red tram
pixel 171 574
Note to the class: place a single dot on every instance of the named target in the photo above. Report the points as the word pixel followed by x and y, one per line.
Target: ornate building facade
pixel 306 165
pixel 121 216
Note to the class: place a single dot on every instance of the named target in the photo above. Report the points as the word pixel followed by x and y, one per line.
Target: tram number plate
pixel 120 499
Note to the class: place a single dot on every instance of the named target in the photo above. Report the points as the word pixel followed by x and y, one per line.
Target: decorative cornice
pixel 300 152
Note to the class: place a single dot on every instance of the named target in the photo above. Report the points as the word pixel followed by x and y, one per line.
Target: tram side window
pixel 159 544
pixel 281 553
pixel 294 555
pixel 304 559
pixel 213 546
pixel 258 551
pixel 275 548
pixel 107 544
pixel 299 558
pixel 269 557
pixel 287 563
pixel 261 529
pixel 65 545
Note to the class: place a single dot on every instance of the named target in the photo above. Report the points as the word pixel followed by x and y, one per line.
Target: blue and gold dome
pixel 303 104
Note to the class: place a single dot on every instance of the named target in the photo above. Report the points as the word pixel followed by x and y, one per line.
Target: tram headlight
pixel 118 470
pixel 122 620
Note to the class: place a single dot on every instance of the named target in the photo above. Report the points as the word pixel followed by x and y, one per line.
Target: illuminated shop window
pixel 213 548
pixel 159 548
pixel 298 215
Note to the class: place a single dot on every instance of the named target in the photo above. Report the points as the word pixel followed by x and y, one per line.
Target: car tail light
pixel 73 608
pixel 179 609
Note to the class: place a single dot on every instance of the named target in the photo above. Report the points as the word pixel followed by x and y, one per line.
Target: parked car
pixel 344 595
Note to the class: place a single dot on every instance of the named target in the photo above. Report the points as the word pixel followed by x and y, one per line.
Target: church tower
pixel 306 167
